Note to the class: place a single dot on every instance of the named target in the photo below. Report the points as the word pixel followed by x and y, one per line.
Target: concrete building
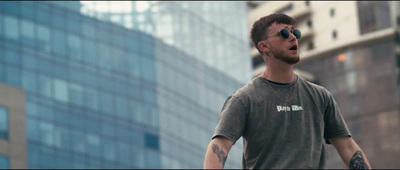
pixel 352 49
pixel 13 143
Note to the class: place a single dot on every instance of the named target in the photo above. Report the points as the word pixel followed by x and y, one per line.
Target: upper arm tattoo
pixel 220 153
pixel 357 161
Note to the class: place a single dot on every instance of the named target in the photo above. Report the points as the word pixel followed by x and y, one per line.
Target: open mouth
pixel 294 47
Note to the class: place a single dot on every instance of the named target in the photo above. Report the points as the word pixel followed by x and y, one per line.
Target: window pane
pixel 146 114
pixel 122 131
pixel 121 107
pixel 148 68
pixel 45 85
pixel 10 7
pixel 27 11
pixel 10 25
pixel 42 13
pixel 152 159
pixel 75 93
pixel 78 140
pixel 43 38
pixel 148 47
pixel 74 47
pixel 74 74
pixel 27 32
pixel 378 19
pixel 109 151
pixel 90 98
pixel 4 162
pixel 108 129
pixel 149 95
pixel 106 102
pixel 58 45
pixel 12 57
pixel 29 81
pixel 136 111
pixel 93 125
pixel 46 133
pixel 28 61
pixel 60 90
pixel 33 159
pixel 131 42
pixel 93 144
pixel 138 156
pixel 88 29
pixel 134 65
pixel 46 112
pixel 89 48
pixel 45 66
pixel 1 25
pixel 13 76
pixel 31 109
pixel 3 123
pixel 152 141
pixel 60 71
pixel 104 56
pixel 119 59
pixel 123 152
pixel 74 24
pixel 33 130
pixel 58 20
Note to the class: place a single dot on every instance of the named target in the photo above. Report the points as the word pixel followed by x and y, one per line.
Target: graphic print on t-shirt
pixel 293 108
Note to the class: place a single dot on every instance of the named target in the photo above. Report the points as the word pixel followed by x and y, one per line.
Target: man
pixel 284 120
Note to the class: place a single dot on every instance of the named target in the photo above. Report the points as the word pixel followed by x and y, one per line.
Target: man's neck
pixel 279 74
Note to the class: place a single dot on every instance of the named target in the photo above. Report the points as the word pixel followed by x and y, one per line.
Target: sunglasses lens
pixel 297 33
pixel 284 33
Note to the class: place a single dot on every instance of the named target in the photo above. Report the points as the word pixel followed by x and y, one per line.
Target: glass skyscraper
pixel 213 32
pixel 102 95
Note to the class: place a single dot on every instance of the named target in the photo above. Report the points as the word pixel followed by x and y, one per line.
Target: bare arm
pixel 350 152
pixel 217 152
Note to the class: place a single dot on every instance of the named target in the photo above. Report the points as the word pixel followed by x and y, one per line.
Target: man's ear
pixel 263 46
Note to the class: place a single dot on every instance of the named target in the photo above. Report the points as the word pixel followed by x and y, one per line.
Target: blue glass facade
pixel 4 162
pixel 190 96
pixel 99 95
pixel 3 123
pixel 214 32
pixel 90 90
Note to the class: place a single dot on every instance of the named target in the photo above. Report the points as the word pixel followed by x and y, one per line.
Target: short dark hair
pixel 259 30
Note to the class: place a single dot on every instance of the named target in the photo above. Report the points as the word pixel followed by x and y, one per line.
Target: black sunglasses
pixel 284 33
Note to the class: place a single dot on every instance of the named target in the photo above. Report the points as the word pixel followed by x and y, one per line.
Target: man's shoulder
pixel 313 87
pixel 248 90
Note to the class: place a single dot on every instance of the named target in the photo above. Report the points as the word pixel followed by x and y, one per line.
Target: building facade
pixel 13 149
pixel 351 48
pixel 209 31
pixel 95 94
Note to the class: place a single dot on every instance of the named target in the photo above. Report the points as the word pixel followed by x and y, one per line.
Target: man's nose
pixel 292 37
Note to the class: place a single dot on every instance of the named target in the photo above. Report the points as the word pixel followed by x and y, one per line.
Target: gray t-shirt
pixel 277 134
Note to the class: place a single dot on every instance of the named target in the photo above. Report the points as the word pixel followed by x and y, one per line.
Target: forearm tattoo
pixel 357 161
pixel 220 153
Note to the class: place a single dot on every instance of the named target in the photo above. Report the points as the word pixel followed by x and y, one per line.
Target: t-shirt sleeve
pixel 232 120
pixel 335 125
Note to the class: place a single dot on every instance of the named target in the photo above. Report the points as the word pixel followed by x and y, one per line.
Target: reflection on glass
pixel 3 123
pixel 10 24
pixel 4 162
pixel 91 85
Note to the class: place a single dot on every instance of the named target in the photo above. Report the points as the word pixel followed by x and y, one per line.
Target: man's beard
pixel 286 59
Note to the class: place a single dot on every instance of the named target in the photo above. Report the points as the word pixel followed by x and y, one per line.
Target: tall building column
pixel 15 146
